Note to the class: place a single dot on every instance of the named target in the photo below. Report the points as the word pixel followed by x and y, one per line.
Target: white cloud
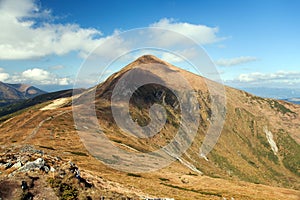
pixel 3 76
pixel 35 76
pixel 200 33
pixel 63 81
pixel 42 77
pixel 277 79
pixel 282 76
pixel 235 61
pixel 27 33
pixel 166 33
pixel 22 38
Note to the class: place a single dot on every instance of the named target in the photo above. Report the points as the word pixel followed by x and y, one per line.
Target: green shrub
pixel 290 150
pixel 67 192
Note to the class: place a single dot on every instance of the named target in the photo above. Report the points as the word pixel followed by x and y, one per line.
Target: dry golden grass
pixel 241 165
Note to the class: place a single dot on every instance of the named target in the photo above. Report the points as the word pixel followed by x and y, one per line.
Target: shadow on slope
pixel 36 100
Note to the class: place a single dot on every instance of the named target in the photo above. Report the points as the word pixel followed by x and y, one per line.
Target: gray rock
pixel 17 165
pixel 37 164
pixel 30 149
pixel 46 169
pixel 71 164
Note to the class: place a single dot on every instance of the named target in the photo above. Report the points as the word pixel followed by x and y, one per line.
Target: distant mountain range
pixel 11 93
pixel 286 94
pixel 275 93
pixel 293 100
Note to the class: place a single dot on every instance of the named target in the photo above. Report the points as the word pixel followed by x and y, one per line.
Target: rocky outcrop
pixel 37 164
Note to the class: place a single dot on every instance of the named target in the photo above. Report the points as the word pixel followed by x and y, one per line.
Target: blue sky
pixel 253 43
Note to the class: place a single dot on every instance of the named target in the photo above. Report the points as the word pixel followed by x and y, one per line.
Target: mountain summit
pixel 148 59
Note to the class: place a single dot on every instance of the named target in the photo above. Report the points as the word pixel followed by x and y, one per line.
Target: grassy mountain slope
pixel 256 157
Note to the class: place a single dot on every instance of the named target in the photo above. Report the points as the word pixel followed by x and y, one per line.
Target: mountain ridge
pixel 295 100
pixel 11 93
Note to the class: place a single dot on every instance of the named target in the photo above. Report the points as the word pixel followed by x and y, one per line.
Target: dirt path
pixel 37 128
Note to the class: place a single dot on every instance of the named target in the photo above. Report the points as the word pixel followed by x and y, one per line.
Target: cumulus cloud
pixel 42 77
pixel 29 31
pixel 166 33
pixel 279 79
pixel 200 33
pixel 35 76
pixel 3 76
pixel 235 61
pixel 21 36
pixel 280 76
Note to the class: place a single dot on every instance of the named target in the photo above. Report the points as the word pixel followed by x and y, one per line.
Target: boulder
pixel 17 165
pixel 46 169
pixel 37 164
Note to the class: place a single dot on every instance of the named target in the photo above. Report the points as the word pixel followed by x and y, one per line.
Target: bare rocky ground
pixel 28 173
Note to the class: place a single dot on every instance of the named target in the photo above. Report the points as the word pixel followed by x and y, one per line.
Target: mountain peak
pixel 145 59
pixel 11 93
